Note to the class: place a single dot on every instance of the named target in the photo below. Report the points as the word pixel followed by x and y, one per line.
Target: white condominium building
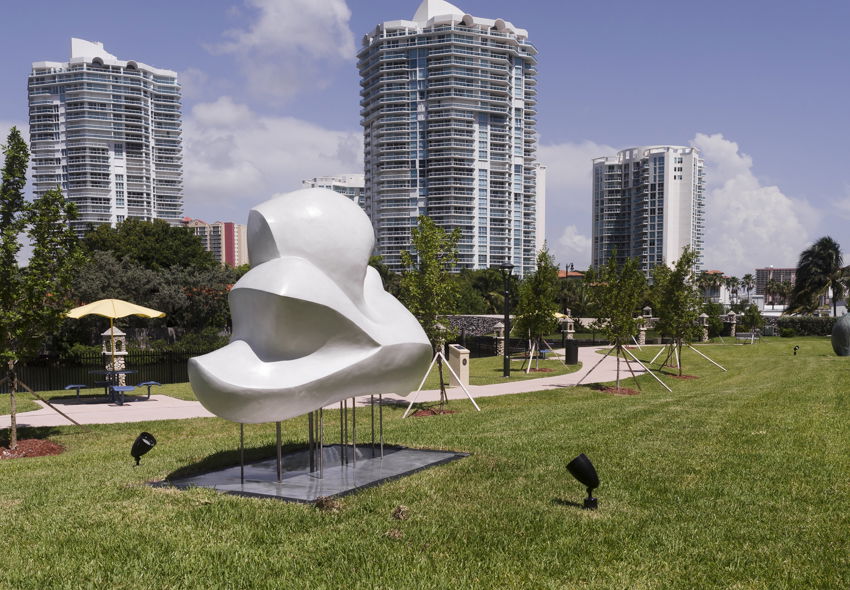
pixel 448 113
pixel 350 185
pixel 648 204
pixel 108 133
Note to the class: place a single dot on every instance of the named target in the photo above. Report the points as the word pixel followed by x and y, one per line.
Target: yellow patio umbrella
pixel 114 308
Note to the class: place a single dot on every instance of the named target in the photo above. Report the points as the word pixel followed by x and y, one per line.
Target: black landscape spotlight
pixel 582 469
pixel 143 443
pixel 796 348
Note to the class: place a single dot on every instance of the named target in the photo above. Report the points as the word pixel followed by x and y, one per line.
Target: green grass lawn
pixel 733 480
pixel 489 370
pixel 483 371
pixel 23 402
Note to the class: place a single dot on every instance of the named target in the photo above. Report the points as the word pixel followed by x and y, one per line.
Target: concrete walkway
pixel 89 410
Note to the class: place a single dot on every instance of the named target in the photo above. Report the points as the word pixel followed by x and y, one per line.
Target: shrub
pixel 806 325
pixel 787 332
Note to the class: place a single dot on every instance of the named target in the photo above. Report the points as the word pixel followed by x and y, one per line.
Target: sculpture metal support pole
pixel 321 443
pixel 241 453
pixel 341 436
pixel 354 430
pixel 279 445
pixel 311 450
pixel 372 404
pixel 345 422
pixel 381 422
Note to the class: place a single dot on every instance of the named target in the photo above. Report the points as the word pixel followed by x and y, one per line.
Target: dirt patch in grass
pixel 542 370
pixel 32 447
pixel 684 377
pixel 620 391
pixel 430 412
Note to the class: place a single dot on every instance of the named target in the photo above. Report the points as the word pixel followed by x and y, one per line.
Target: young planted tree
pixel 617 293
pixel 677 300
pixel 538 301
pixel 426 287
pixel 33 300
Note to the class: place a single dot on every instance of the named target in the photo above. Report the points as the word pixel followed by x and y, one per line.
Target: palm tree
pixel 732 286
pixel 771 288
pixel 748 282
pixel 785 290
pixel 819 270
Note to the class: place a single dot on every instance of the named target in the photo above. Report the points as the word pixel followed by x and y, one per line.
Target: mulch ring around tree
pixel 615 391
pixel 32 447
pixel 430 412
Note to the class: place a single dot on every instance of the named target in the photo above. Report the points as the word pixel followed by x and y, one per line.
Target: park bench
pixel 149 384
pixel 750 337
pixel 78 387
pixel 118 392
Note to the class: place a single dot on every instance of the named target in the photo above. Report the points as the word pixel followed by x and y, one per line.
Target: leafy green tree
pixel 390 279
pixel 153 244
pixel 751 318
pixel 714 311
pixel 538 299
pixel 469 299
pixel 490 285
pixel 677 299
pixel 194 299
pixel 575 296
pixel 32 299
pixel 819 270
pixel 617 293
pixel 427 288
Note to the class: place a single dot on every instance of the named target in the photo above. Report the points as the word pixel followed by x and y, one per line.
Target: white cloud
pixel 569 183
pixel 6 126
pixel 290 44
pixel 843 204
pixel 748 225
pixel 573 248
pixel 236 158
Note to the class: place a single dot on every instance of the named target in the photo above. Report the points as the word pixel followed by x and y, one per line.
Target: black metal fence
pixel 49 373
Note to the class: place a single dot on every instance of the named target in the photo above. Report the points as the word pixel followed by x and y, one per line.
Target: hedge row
pixel 807 325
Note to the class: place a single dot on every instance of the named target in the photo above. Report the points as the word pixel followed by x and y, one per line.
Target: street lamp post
pixel 506 269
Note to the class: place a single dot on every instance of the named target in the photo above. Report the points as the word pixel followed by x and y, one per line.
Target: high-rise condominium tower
pixel 648 204
pixel 448 107
pixel 108 133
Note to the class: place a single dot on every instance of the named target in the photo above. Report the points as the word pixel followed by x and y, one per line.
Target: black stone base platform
pixel 300 485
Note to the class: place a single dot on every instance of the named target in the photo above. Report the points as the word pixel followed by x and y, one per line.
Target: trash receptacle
pixel 571 353
pixel 459 362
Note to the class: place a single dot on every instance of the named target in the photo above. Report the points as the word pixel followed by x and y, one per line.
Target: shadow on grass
pixel 570 503
pixel 26 432
pixel 223 459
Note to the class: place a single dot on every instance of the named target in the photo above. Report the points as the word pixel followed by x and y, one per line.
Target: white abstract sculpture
pixel 312 324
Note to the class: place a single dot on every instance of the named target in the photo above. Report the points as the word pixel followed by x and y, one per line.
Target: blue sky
pixel 271 97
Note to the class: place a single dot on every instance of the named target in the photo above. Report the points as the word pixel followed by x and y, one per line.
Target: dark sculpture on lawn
pixel 841 335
